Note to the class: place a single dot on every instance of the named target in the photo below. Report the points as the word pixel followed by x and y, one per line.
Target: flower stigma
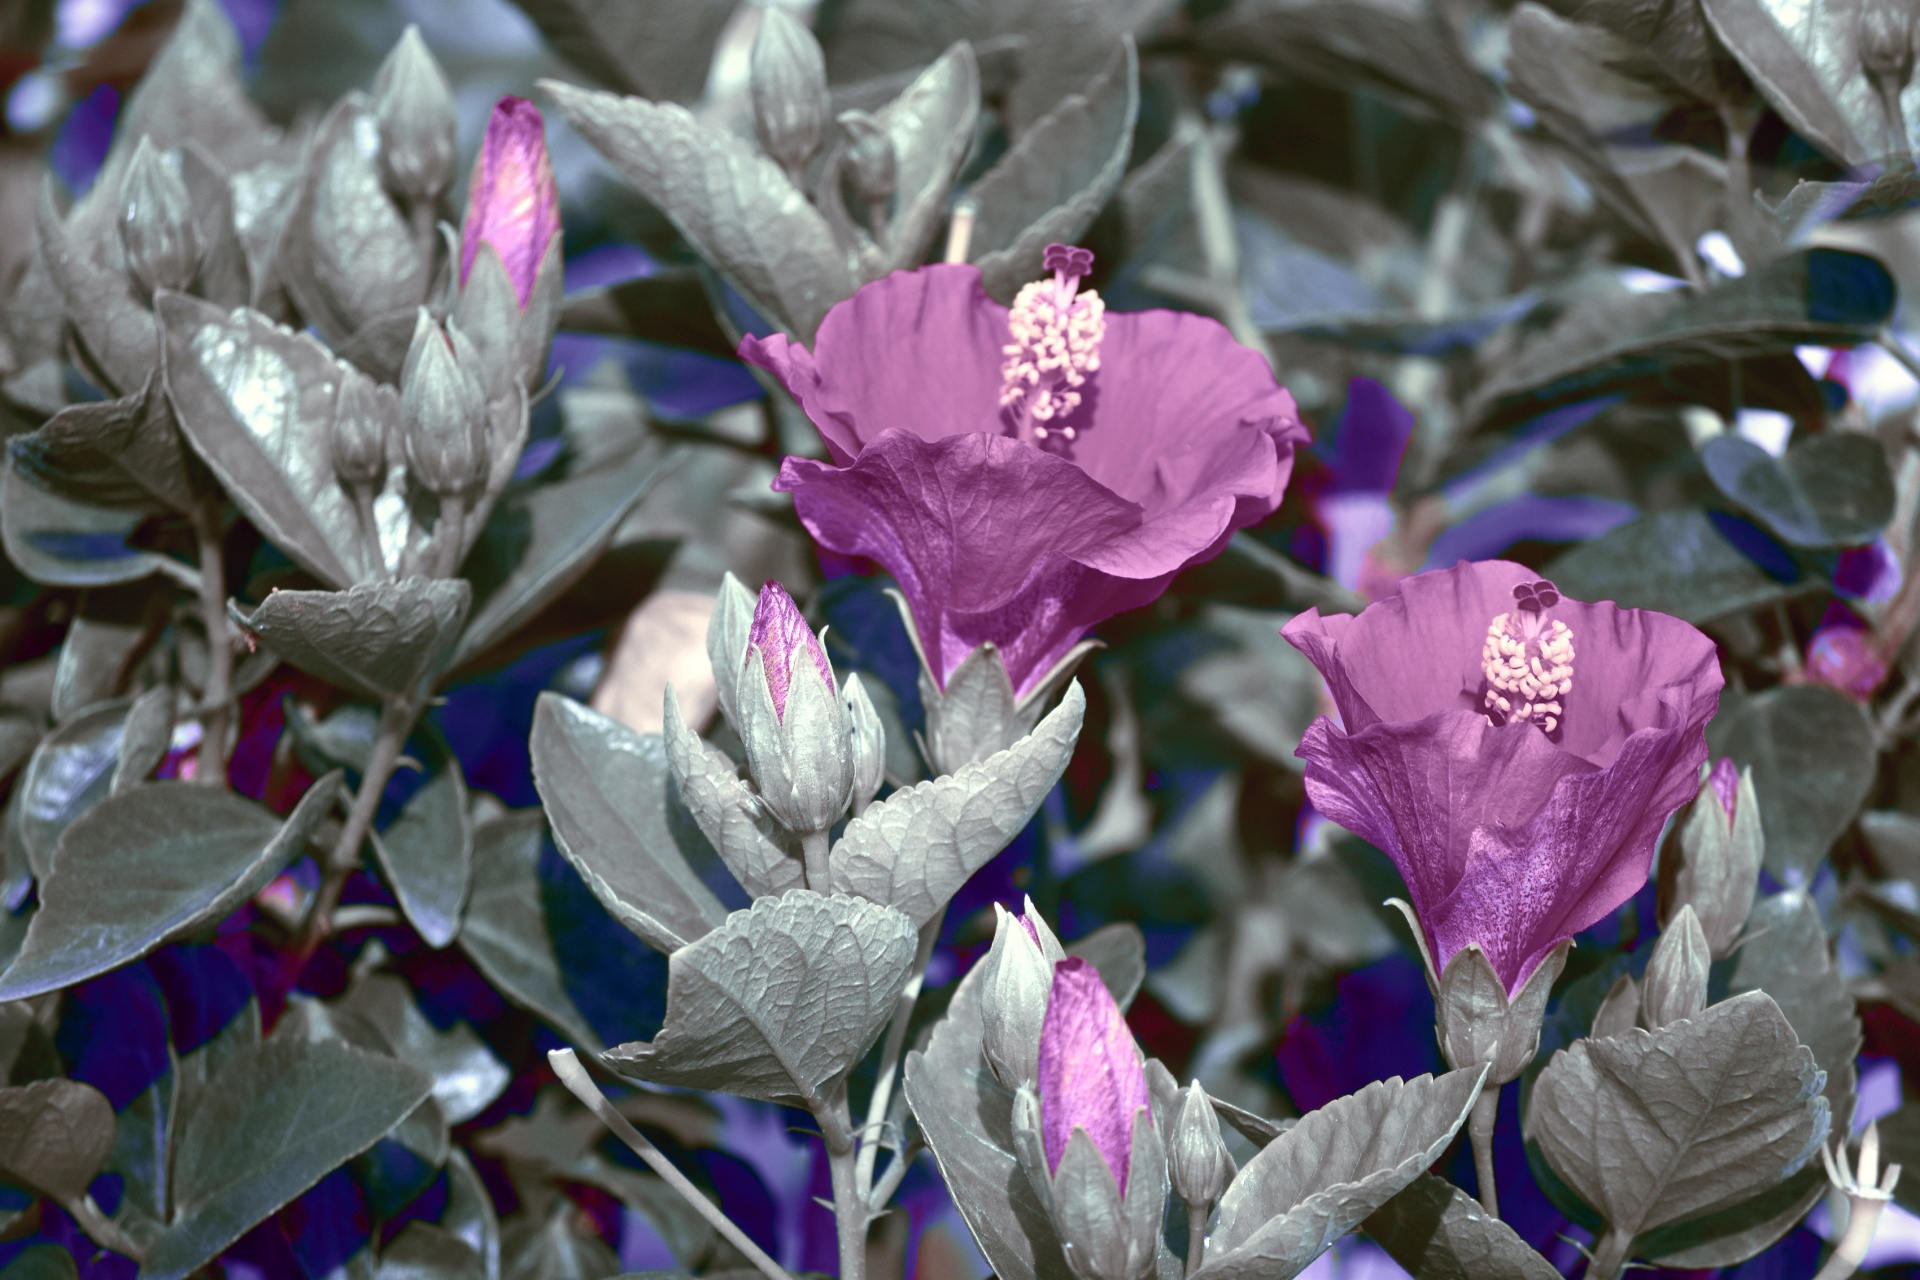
pixel 1056 332
pixel 1528 661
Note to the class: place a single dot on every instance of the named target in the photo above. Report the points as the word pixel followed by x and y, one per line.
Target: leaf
pixel 548 537
pixel 1324 1176
pixel 1830 491
pixel 504 931
pixel 1055 178
pixel 1814 758
pixel 1656 1127
pixel 116 335
pixel 41 1262
pixel 659 49
pixel 605 789
pixel 1118 953
pixel 966 1117
pixel 1821 296
pixel 1262 691
pixel 1403 53
pixel 116 453
pixel 668 306
pixel 762 855
pixel 427 852
pixel 931 125
pixel 275 1121
pixel 467 1077
pixel 1438 1232
pixel 915 849
pixel 61 542
pixel 380 639
pixel 256 401
pixel 784 997
pixel 145 739
pixel 734 205
pixel 192 91
pixel 54 1136
pixel 69 772
pixel 150 865
pixel 1678 39
pixel 1799 71
pixel 423 1251
pixel 1675 562
pixel 1785 955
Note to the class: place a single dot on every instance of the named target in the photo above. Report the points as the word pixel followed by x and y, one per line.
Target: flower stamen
pixel 1056 333
pixel 1527 660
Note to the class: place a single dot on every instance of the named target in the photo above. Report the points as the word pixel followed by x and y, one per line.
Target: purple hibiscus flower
pixel 1027 473
pixel 1513 751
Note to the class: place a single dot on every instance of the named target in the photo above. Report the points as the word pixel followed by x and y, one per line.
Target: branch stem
pixel 849 1205
pixel 397 716
pixel 101 1229
pixel 216 701
pixel 1196 1236
pixel 813 852
pixel 1486 1111
pixel 1609 1256
pixel 890 1057
pixel 567 1066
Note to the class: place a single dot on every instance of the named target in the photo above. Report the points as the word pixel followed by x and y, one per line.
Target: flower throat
pixel 1056 332
pixel 1527 661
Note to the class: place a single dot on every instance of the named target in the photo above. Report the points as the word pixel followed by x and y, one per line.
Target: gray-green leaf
pixel 149 865
pixel 1830 491
pixel 427 852
pixel 605 789
pixel 915 849
pixel 54 1136
pixel 380 639
pixel 781 999
pixel 1672 561
pixel 1438 1232
pixel 274 1122
pixel 1324 1176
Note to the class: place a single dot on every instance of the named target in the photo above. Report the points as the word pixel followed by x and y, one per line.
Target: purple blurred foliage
pixel 113 1033
pixel 1369 441
pixel 204 990
pixel 678 384
pixel 1870 573
pixel 327 1225
pixel 1379 1024
pixel 80 147
pixel 1487 534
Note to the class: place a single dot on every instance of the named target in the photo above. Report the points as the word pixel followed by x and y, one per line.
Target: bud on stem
pixel 156 223
pixel 413 105
pixel 788 78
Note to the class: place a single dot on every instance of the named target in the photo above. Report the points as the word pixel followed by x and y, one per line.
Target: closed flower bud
pixel 1714 865
pixel 359 436
pixel 513 204
pixel 870 158
pixel 788 76
pixel 414 108
pixel 799 742
pixel 1019 975
pixel 444 410
pixel 156 222
pixel 869 743
pixel 1198 1161
pixel 1884 35
pixel 1675 985
pixel 727 633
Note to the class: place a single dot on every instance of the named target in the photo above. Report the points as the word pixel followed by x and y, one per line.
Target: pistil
pixel 1527 660
pixel 1056 332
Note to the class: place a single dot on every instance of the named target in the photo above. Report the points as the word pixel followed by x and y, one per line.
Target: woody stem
pixel 1486 1110
pixel 1609 1256
pixel 890 1056
pixel 813 853
pixel 210 763
pixel 849 1205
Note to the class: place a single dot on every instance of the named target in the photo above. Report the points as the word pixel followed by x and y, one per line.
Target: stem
pixel 890 1180
pixel 101 1229
pixel 425 231
pixel 1850 1250
pixel 1609 1257
pixel 1486 1110
pixel 396 722
pixel 370 528
pixel 813 850
pixel 890 1056
pixel 210 762
pixel 849 1206
pixel 567 1066
pixel 1196 1236
pixel 449 532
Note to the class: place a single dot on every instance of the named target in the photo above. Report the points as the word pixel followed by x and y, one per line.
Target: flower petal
pixel 1090 1072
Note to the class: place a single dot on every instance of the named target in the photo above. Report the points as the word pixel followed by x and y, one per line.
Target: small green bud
pixel 1675 984
pixel 1197 1157
pixel 413 105
pixel 156 221
pixel 444 408
pixel 788 77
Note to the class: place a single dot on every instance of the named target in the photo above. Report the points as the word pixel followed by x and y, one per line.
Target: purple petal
pixel 1725 779
pixel 512 201
pixel 778 630
pixel 1847 658
pixel 1090 1073
pixel 1370 440
pixel 1870 573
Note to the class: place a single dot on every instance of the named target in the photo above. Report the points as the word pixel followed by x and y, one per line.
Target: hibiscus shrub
pixel 1240 638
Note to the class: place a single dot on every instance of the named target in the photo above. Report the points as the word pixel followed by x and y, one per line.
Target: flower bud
pixel 1476 1019
pixel 444 410
pixel 1197 1157
pixel 870 158
pixel 1714 866
pixel 513 203
pixel 359 436
pixel 869 743
pixel 1675 984
pixel 1013 1006
pixel 413 106
pixel 1884 37
pixel 788 76
pixel 799 742
pixel 156 222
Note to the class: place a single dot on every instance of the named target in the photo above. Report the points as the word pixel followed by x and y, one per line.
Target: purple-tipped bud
pixel 793 722
pixel 1724 778
pixel 413 105
pixel 156 222
pixel 513 203
pixel 778 632
pixel 1090 1072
